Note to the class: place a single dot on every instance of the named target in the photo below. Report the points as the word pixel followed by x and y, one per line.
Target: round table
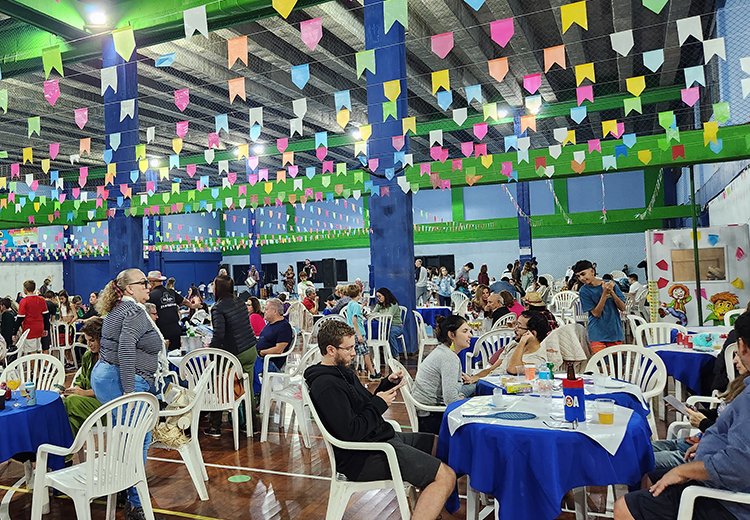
pixel 690 367
pixel 430 313
pixel 25 428
pixel 529 470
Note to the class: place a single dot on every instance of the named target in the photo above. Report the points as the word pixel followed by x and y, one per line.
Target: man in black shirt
pixel 91 312
pixel 276 336
pixel 167 303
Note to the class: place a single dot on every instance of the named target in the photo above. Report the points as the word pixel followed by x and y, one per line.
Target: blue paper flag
pixel 204 181
pixel 22 201
pixel 321 139
pixel 108 156
pixel 629 140
pixel 114 140
pixel 310 172
pixel 70 216
pixel 368 186
pixel 399 157
pixel 189 209
pixel 375 191
pixel 255 132
pixel 301 75
pixel 578 114
pixel 389 173
pixel 174 161
pixel 514 175
pixel 165 60
pixel 621 149
pixel 218 206
pixel 444 99
pixel 652 60
pixel 713 239
pixel 120 200
pixel 363 160
pixel 342 100
pixel 717 146
pixel 54 175
pixel 134 175
pixel 32 196
pixel 221 121
pixel 474 4
pixel 473 92
pixel 203 204
pixel 215 193
pixel 511 142
pixel 329 197
pixel 55 194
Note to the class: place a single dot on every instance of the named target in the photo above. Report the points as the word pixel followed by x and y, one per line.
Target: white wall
pixel 495 254
pixel 732 206
pixel 13 274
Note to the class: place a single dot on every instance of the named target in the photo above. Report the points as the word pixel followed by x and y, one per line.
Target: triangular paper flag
pixel 689 27
pixel 554 55
pixel 195 20
pixel 442 44
pixel 52 59
pixel 501 31
pixel 395 11
pixel 236 88
pixel 636 85
pixel 622 42
pixel 300 75
pixel 311 32
pixel 124 42
pixel 498 68
pixel 574 13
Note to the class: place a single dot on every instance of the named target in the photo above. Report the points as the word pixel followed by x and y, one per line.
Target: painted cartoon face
pixel 721 307
pixel 678 293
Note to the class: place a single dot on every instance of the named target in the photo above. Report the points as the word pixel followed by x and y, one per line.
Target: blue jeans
pixel 105 382
pixel 396 331
pixel 669 453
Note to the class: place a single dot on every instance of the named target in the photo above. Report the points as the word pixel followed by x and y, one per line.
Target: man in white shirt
pixel 569 273
pixel 508 273
pixel 635 285
pixel 421 282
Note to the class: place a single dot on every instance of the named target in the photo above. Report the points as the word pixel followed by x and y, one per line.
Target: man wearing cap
pixel 167 303
pixel 533 302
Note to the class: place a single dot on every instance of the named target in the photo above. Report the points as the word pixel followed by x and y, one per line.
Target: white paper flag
pixel 622 42
pixel 256 116
pixel 295 127
pixel 460 115
pixel 150 134
pixel 300 107
pixel 127 109
pixel 714 47
pixel 436 136
pixel 195 20
pixel 109 79
pixel 689 27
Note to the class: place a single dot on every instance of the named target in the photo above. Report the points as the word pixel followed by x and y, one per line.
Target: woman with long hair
pixel 194 297
pixel 483 277
pixel 439 380
pixel 388 304
pixel 481 297
pixel 67 312
pixel 257 321
pixel 80 400
pixel 130 347
pixel 527 276
pixel 445 287
pixel 67 315
pixel 288 280
pixel 511 304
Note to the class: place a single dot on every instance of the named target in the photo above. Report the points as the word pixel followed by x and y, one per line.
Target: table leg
pixel 579 499
pixel 472 501
pixel 678 391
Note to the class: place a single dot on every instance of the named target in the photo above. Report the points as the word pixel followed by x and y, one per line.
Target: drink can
pixel 680 338
pixel 30 394
pixel 689 342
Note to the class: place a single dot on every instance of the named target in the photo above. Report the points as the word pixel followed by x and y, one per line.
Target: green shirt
pixel 84 376
pixel 394 309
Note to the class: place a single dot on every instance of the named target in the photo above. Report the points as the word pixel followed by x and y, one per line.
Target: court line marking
pixel 242 468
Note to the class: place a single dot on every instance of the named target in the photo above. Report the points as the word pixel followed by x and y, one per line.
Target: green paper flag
pixel 655 5
pixel 721 112
pixel 666 119
pixel 358 176
pixel 124 42
pixel 673 134
pixel 4 100
pixel 631 104
pixel 77 204
pixel 365 60
pixel 663 144
pixel 395 11
pixel 389 109
pixel 140 151
pixel 3 154
pixel 340 169
pixel 325 180
pixel 51 59
pixel 34 126
pixel 347 192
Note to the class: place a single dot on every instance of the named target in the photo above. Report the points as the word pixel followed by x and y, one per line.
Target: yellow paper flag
pixel 284 7
pixel 699 236
pixel 486 161
pixel 609 126
pixel 585 71
pixel 28 155
pixel 124 42
pixel 710 128
pixel 440 79
pixel 3 184
pixel 268 186
pixel 177 145
pixel 574 13
pixel 738 284
pixel 163 173
pixel 360 147
pixel 392 89
pixel 570 138
pixel 343 117
pixel 243 151
pixel 636 85
pixel 409 123
pixel 45 165
pixel 365 131
pixel 111 169
pixel 143 165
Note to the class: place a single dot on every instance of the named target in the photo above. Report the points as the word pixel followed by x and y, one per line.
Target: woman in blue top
pixel 445 287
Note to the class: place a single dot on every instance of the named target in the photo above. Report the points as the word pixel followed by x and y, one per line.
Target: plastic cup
pixel 600 380
pixel 521 373
pixel 497 397
pixel 530 371
pixel 606 410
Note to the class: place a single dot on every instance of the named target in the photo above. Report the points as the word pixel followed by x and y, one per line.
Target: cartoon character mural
pixel 680 297
pixel 721 303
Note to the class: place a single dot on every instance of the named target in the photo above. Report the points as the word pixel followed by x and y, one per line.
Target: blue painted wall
pixel 483 202
pixel 429 204
pixel 542 200
pixel 623 190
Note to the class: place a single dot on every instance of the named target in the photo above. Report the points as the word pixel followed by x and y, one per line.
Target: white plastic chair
pixel 21 346
pixel 487 344
pixel 637 365
pixel 563 300
pixel 728 321
pixel 462 309
pixel 401 337
pixel 113 438
pixel 457 297
pixel 67 343
pixel 618 275
pixel 412 405
pixel 191 451
pixel 729 361
pixel 220 394
pixel 635 321
pixel 656 333
pixel 288 392
pixel 43 370
pixel 550 279
pixel 163 372
pixel 683 428
pixel 310 339
pixel 299 317
pixel 342 312
pixel 383 332
pixel 342 488
pixel 504 320
pixel 578 314
pixel 691 493
pixel 422 337
pixel 639 302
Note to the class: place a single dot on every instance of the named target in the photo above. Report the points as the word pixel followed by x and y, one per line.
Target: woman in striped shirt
pixel 130 347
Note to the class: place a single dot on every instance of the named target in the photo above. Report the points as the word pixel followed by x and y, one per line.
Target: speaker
pixel 328 269
pixel 324 293
pixel 244 296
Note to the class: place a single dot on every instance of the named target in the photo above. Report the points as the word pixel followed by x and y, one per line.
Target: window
pixel 711 260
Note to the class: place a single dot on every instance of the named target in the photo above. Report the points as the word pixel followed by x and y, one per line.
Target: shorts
pixel 361 348
pixel 418 467
pixel 644 506
pixel 596 346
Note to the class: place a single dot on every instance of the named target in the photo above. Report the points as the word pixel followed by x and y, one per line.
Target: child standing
pixel 603 301
pixel 354 319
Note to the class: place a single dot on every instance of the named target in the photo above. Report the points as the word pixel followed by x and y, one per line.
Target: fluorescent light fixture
pixel 258 149
pixel 97 17
pixel 536 110
pixel 356 135
pixel 154 163
pixel 237 152
pixel 502 113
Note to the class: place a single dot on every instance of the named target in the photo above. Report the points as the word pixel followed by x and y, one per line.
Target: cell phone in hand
pixel 60 388
pixel 676 404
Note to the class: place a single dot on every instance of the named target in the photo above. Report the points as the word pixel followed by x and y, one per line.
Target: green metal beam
pixel 64 18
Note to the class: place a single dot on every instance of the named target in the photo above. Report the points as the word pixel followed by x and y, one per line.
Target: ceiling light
pixel 154 163
pixel 237 152
pixel 97 17
pixel 259 149
pixel 356 135
pixel 536 110
pixel 502 113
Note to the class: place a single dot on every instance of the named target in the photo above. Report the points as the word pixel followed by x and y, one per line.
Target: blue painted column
pixel 391 220
pixel 254 250
pixel 154 257
pixel 68 282
pixel 524 202
pixel 125 232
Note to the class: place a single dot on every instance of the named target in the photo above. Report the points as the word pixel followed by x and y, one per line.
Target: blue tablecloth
pixel 25 428
pixel 529 470
pixel 621 398
pixel 429 314
pixel 692 370
pixel 462 354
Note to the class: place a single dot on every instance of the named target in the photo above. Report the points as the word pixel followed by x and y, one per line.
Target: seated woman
pixel 480 301
pixel 257 321
pixel 511 304
pixel 439 379
pixel 79 399
pixel 388 304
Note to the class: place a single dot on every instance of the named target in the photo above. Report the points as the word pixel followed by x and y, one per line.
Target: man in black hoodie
pixel 351 413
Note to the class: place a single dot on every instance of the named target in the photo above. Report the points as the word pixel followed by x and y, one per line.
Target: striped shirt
pixel 131 342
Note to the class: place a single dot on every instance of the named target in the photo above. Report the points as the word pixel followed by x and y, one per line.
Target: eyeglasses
pixel 517 326
pixel 350 349
pixel 143 282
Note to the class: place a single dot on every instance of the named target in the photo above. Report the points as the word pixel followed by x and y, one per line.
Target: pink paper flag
pixel 703 293
pixel 51 91
pixel 242 191
pixel 252 179
pixel 252 162
pixel 443 155
pixel 309 192
pixel 507 168
pixel 34 185
pixel 373 164
pixel 398 142
pixel 321 152
pixel 446 184
pixel 620 129
pixel 501 31
pixel 213 140
pixel 150 187
pixel 467 148
pixel 585 93
pixel 182 98
pixel 82 117
pixel 76 192
pixel 480 130
pixel 424 168
pixel 435 153
pixel 191 169
pixel 15 170
pixel 318 196
pixel 442 44
pixel 658 238
pixel 293 170
pixel 480 149
pixel 532 82
pixel 458 164
pixel 690 95
pixel 328 166
pixel 281 144
pixel 595 144
pixel 182 128
pixel 311 32
pixel 263 174
pixel 232 177
pixel 54 149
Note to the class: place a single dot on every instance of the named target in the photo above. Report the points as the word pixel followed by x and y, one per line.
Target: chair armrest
pixel 678 427
pixel 54 450
pixel 690 493
pixel 428 408
pixel 267 358
pixel 695 399
pixel 395 424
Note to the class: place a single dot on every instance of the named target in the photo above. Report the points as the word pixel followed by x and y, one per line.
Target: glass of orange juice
pixel 13 380
pixel 606 410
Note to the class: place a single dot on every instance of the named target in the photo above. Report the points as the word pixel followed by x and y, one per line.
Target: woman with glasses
pixel 130 347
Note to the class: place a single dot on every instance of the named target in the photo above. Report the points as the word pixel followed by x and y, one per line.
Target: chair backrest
pixel 342 312
pixel 634 364
pixel 457 297
pixel 618 275
pixel 21 342
pixel 308 359
pixel 462 309
pixel 635 322
pixel 563 300
pixel 329 440
pixel 730 316
pixel 200 390
pixel 44 370
pixel 550 279
pixel 504 320
pixel 578 312
pixel 729 361
pixel 411 410
pixel 66 339
pixel 312 340
pixel 299 317
pixel 490 342
pixel 383 326
pixel 656 333
pixel 113 437
pixel 224 367
pixel 404 311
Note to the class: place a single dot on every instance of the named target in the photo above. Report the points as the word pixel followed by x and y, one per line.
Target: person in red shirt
pixel 311 301
pixel 33 316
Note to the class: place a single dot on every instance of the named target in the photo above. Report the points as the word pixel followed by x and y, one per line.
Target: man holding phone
pixel 351 413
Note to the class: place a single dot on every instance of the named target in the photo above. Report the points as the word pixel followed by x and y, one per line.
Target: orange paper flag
pixel 236 88
pixel 85 146
pixel 528 122
pixel 554 55
pixel 237 50
pixel 498 68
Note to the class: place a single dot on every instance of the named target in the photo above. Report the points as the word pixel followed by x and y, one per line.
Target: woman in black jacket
pixel 233 333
